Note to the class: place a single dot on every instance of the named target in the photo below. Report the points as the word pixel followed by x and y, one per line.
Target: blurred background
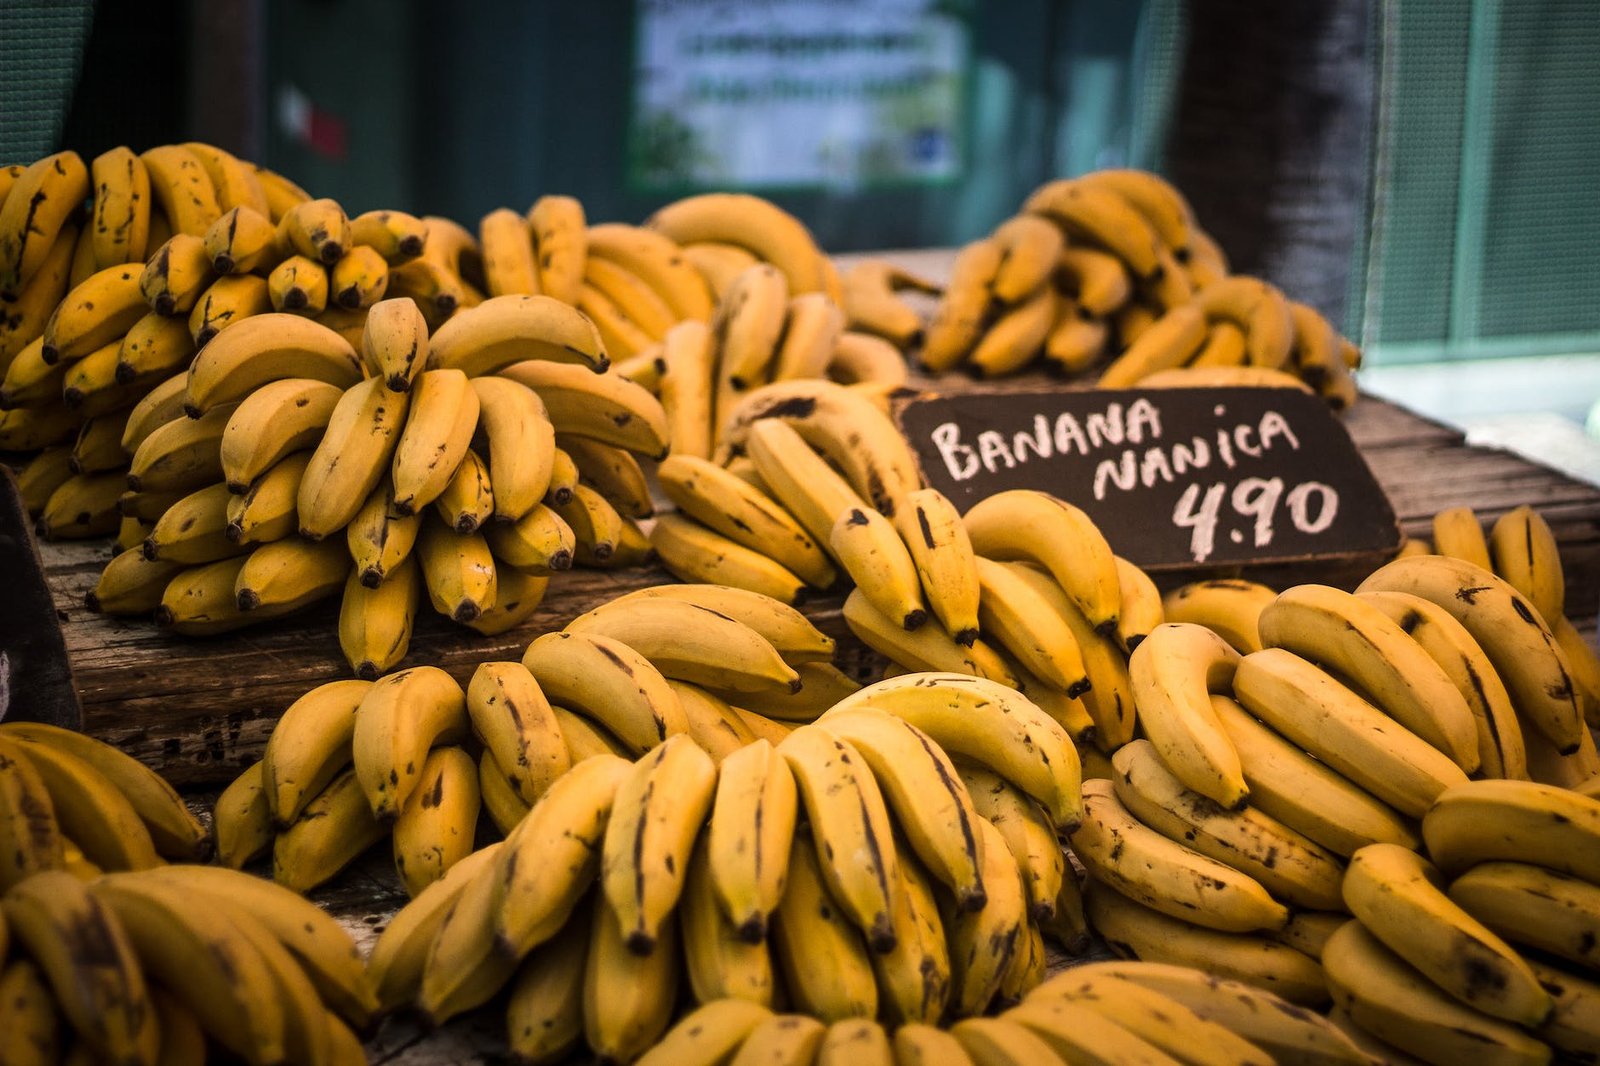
pixel 1422 173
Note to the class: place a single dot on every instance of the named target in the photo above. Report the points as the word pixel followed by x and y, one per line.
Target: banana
pixel 1457 533
pixel 517 597
pixel 155 349
pixel 97 311
pixel 352 458
pixel 1229 607
pixel 1399 898
pixel 183 188
pixel 1538 908
pixel 855 1040
pixel 990 724
pixel 1257 308
pixel 1154 1017
pixel 748 839
pixel 23 318
pixel 309 747
pixel 505 330
pixel 27 817
pixel 400 954
pixel 1076 340
pixel 176 275
pixel 538 543
pixel 400 718
pixel 334 829
pixel 928 648
pixel 1139 611
pixel 872 303
pixel 688 355
pixel 42 475
pixel 915 1044
pixel 242 241
pixel 604 407
pixel 823 957
pixel 627 1001
pixel 878 561
pixel 508 262
pixel 1291 867
pixel 200 954
pixel 610 683
pixel 941 551
pixel 316 229
pixel 1086 210
pixel 120 226
pixel 93 966
pixel 1308 931
pixel 963 313
pixel 286 575
pixel 553 855
pixel 1030 248
pixel 201 600
pixel 914 978
pixel 657 263
pixel 659 809
pixel 512 719
pixel 1507 627
pixel 748 327
pixel 1023 524
pixel 861 358
pixel 713 1033
pixel 30 382
pixel 1014 338
pixel 596 526
pixel 1501 750
pixel 718 263
pixel 721 962
pixel 435 828
pixel 437 291
pixel 500 800
pixel 1515 821
pixel 1169 342
pixel 1315 711
pixel 1398 1005
pixel 850 828
pixel 613 472
pixel 694 553
pixel 1337 630
pixel 1527 558
pixel 42 200
pixel 564 479
pixel 394 342
pixel 561 244
pixel 983 943
pixel 770 233
pixel 692 643
pixel 810 333
pixel 266 510
pixel 1279 1028
pixel 800 479
pixel 1136 931
pixel 1029 836
pixel 1078 1033
pixel 789 631
pixel 266 348
pixel 467 501
pixel 1174 673
pixel 281 193
pixel 279 418
pixel 521 444
pixel 1583 663
pixel 462 969
pixel 161 405
pixel 395 235
pixel 194 530
pixel 379 537
pixel 99 445
pixel 627 298
pixel 26 429
pixel 28 1015
pixel 544 1013
pixel 1166 875
pixel 1573 1027
pixel 712 723
pixel 1224 349
pixel 299 285
pixel 375 624
pixel 242 821
pixel 84 506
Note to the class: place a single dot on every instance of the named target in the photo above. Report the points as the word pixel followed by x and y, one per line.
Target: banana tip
pixel 1108 628
pixel 466 612
pixel 974 900
pixel 753 930
pixel 1080 687
pixel 371 577
pixel 561 560
pixel 641 943
pixel 91 601
pixel 330 252
pixel 882 939
pixel 965 637
pixel 248 599
pixel 914 619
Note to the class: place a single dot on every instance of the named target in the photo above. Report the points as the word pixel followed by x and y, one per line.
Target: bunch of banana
pixel 68 801
pixel 283 467
pixel 722 234
pixel 1487 940
pixel 1112 266
pixel 845 869
pixel 873 304
pixel 176 964
pixel 1521 550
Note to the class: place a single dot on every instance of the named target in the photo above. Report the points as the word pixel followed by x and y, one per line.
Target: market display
pixel 1317 824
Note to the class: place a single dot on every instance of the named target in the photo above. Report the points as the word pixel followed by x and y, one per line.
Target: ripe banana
pixel 439 424
pixel 770 233
pixel 604 407
pixel 555 226
pixel 310 746
pixel 1539 908
pixel 688 357
pixel 182 455
pixel 242 241
pixel 352 458
pixel 609 682
pixel 1399 1006
pixel 964 312
pixel 1089 211
pixel 748 838
pixel 1169 342
pixel 289 574
pixel 95 312
pixel 505 330
pixel 869 548
pixel 500 800
pixel 1022 524
pixel 823 957
pixel 1342 632
pixel 468 500
pixel 694 553
pixel 194 530
pixel 1313 710
pixel 946 565
pixel 241 821
pixel 375 624
pixel 872 303
pixel 1229 607
pixel 512 719
pixel 1526 557
pixel 538 543
pixel 379 537
pixel 435 828
pixel 508 261
pixel 1290 867
pixel 1029 836
pixel 1457 534
pixel 395 235
pixel 41 201
pixel 400 717
pixel 544 1013
pixel 120 226
pixel 316 229
pixel 733 508
pixel 266 348
pixel 299 285
pixel 1508 628
pixel 692 643
pixel 799 478
pixel 1516 821
pixel 928 648
pixel 28 313
pixel 1174 673
pixel 627 1001
pixel 279 418
pixel 463 970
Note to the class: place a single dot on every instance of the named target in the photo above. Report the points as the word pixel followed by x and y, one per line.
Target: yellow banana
pixel 467 501
pixel 823 957
pixel 505 330
pixel 375 624
pixel 242 241
pixel 560 242
pixel 521 445
pixel 276 420
pixel 1515 821
pixel 627 1001
pixel 359 279
pixel 457 569
pixel 1014 338
pixel 400 718
pixel 395 235
pixel 544 1013
pixel 511 717
pixel 1022 524
pixel 694 553
pixel 23 317
pixel 1229 607
pixel 1527 558
pixel 1168 343
pixel 266 348
pixel 1088 210
pixel 84 506
pixel 266 510
pixel 604 407
pixel 610 683
pixel 1174 671
pixel 316 229
pixel 1140 609
pixel 508 261
pixel 965 308
pixel 120 226
pixel 1457 533
pixel 747 842
pixel 1539 908
pixel 772 234
pixel 712 1033
pixel 96 312
pixel 41 201
pixel 1030 838
pixel 299 285
pixel 309 747
pixel 435 828
pixel 872 303
pixel 194 530
pixel 538 543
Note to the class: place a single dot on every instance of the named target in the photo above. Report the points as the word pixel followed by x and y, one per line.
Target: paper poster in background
pixel 798 93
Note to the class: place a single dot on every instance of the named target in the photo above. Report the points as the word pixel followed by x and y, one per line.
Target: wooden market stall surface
pixel 199 710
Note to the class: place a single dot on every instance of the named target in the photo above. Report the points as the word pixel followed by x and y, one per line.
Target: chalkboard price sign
pixel 1177 478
